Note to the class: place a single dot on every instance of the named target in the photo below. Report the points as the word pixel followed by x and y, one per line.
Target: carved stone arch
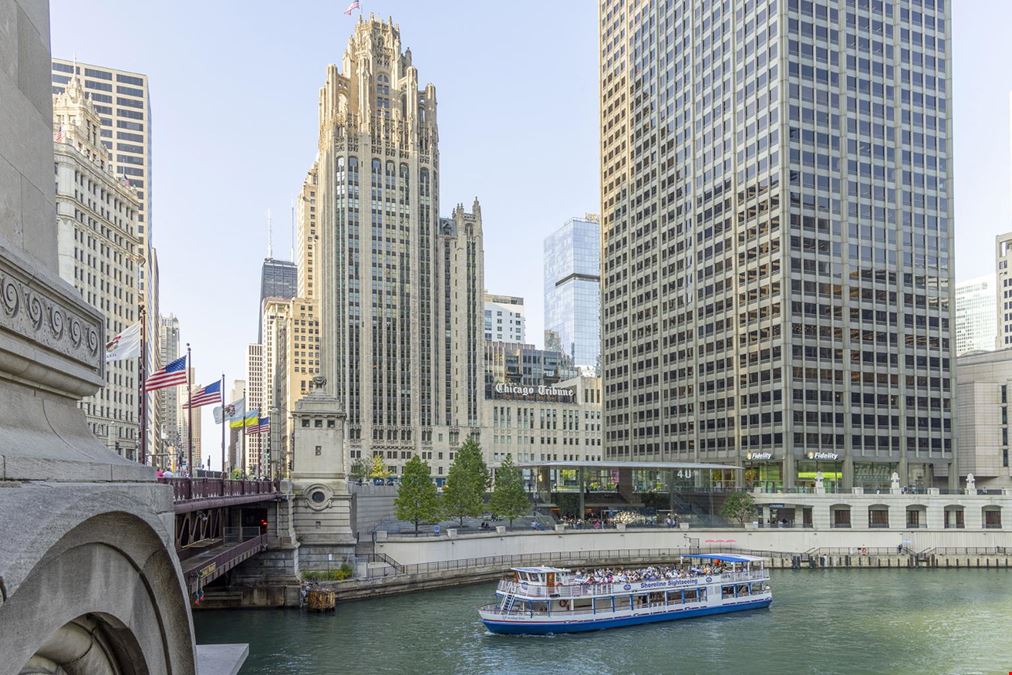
pixel 105 596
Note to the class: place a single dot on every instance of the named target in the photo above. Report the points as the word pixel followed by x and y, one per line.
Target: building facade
pixel 544 423
pixel 400 289
pixel 776 282
pixel 1003 290
pixel 983 381
pixel 504 318
pixel 171 402
pixel 975 328
pixel 99 253
pixel 278 280
pixel 520 364
pixel 254 401
pixel 307 237
pixel 573 291
pixel 123 103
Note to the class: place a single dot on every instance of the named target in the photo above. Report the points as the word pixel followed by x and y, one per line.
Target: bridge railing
pixel 188 489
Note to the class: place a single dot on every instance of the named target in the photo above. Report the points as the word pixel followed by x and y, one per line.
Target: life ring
pixel 563 603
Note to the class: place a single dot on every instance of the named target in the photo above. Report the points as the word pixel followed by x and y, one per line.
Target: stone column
pixel 935 515
pixel 859 515
pixel 973 518
pixel 821 517
pixel 897 515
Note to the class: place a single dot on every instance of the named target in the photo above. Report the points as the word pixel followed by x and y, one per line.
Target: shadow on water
pixel 827 621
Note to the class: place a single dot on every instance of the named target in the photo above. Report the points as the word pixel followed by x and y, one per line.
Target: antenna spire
pixel 270 249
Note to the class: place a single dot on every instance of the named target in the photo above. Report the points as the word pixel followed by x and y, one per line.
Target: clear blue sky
pixel 234 94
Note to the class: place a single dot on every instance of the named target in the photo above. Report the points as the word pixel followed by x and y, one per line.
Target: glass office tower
pixel 573 291
pixel 777 234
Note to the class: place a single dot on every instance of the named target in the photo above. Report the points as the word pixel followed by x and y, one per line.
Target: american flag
pixel 352 7
pixel 205 396
pixel 170 376
pixel 265 425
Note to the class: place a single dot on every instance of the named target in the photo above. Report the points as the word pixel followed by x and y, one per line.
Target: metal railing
pixel 609 556
pixel 190 489
pixel 575 590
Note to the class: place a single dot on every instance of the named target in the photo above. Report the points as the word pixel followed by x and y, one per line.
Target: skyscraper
pixel 974 329
pixel 99 253
pixel 573 291
pixel 254 401
pixel 171 413
pixel 278 279
pixel 1003 290
pixel 777 237
pixel 123 103
pixel 400 289
pixel 504 318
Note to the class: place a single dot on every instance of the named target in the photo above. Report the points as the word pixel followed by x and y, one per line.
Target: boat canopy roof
pixel 540 570
pixel 724 557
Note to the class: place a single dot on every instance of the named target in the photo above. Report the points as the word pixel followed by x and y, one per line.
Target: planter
pixel 500 529
pixel 620 527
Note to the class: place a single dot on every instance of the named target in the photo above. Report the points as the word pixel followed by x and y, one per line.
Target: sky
pixel 234 89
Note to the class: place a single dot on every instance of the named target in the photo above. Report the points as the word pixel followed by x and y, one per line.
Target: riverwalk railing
pixel 598 557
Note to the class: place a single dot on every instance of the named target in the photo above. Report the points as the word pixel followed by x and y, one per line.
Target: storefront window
pixel 873 475
pixel 769 477
pixel 832 474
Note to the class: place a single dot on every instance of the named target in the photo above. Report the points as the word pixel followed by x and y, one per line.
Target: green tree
pixel 378 470
pixel 509 500
pixel 360 468
pixel 739 506
pixel 417 500
pixel 464 492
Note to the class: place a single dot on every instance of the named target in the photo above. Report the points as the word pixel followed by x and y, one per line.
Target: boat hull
pixel 520 626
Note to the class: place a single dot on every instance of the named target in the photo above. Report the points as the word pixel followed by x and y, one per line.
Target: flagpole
pixel 189 410
pixel 223 476
pixel 142 390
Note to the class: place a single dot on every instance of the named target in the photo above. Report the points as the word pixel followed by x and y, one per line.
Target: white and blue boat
pixel 547 600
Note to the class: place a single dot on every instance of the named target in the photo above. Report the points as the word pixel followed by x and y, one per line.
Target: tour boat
pixel 544 600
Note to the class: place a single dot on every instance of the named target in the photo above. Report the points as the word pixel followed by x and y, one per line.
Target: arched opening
pixel 917 516
pixel 954 517
pixel 102 595
pixel 878 516
pixel 839 515
pixel 93 644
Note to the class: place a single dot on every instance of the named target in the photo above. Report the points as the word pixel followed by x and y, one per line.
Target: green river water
pixel 821 621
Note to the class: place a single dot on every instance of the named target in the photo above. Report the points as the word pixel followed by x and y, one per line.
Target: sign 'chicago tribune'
pixel 541 392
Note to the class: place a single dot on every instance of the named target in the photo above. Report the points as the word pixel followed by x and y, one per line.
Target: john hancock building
pixel 777 236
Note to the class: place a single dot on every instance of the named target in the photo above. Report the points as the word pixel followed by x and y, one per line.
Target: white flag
pixel 126 345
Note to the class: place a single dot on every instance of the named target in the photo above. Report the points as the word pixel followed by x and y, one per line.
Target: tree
pixel 417 500
pixel 464 492
pixel 378 470
pixel 739 506
pixel 509 500
pixel 360 468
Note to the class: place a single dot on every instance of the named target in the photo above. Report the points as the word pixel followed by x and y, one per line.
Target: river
pixel 821 621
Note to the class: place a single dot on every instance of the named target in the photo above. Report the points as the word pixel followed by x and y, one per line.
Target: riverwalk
pixel 408 564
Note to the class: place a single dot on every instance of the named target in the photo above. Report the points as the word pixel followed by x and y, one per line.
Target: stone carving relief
pixel 36 315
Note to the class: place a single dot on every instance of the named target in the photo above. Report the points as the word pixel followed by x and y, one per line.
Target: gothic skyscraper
pixel 400 288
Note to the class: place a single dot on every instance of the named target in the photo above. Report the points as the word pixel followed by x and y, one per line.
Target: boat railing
pixel 587 590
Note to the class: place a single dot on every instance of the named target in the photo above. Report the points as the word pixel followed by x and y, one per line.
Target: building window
pixel 319 450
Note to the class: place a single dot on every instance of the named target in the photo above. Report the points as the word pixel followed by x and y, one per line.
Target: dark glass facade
pixel 777 235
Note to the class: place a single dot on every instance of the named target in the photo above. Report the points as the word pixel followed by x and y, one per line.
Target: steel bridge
pixel 220 523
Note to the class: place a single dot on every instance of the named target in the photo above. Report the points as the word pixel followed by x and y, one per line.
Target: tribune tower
pixel 399 287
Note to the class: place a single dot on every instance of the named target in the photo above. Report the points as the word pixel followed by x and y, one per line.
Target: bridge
pixel 219 524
